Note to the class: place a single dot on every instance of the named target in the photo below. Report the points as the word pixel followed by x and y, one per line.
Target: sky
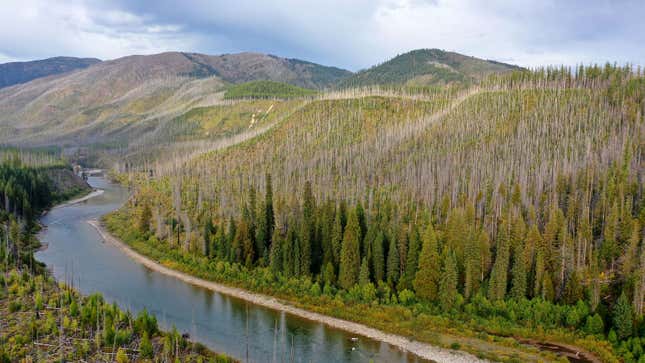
pixel 351 34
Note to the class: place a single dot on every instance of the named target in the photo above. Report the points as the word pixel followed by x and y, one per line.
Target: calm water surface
pixel 76 252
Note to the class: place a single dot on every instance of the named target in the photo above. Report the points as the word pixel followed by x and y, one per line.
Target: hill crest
pixel 423 67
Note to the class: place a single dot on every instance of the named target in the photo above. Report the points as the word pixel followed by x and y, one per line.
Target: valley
pixel 437 206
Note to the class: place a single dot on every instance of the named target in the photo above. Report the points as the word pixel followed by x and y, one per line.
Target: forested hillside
pixel 266 89
pixel 513 208
pixel 423 67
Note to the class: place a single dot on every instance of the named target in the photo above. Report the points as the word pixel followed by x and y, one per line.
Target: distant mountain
pixel 427 67
pixel 21 72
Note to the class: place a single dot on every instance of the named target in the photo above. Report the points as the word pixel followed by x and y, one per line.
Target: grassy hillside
pixel 427 67
pixel 267 90
pixel 118 102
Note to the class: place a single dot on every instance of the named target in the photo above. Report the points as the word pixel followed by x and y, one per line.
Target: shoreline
pixel 92 194
pixel 423 350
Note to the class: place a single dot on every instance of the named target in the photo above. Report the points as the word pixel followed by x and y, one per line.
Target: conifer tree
pixel 518 232
pixel 565 256
pixel 304 240
pixel 288 252
pixel 426 281
pixel 220 244
pixel 448 284
pixel 412 262
pixel 609 247
pixel 296 250
pixel 534 240
pixel 307 232
pixel 249 214
pixel 269 214
pixel 261 231
pixel 548 291
pixel 337 236
pixel 378 257
pixel 518 274
pixel 243 245
pixel 368 244
pixel 350 253
pixel 549 238
pixel 276 254
pixel 402 237
pixel 499 276
pixel 342 208
pixel 456 232
pixel 326 227
pixel 393 268
pixel 630 256
pixel 362 222
pixel 364 275
pixel 208 236
pixel 472 263
pixel 639 283
pixel 622 317
pixel 232 231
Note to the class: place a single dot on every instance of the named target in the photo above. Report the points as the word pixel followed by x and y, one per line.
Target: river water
pixel 77 253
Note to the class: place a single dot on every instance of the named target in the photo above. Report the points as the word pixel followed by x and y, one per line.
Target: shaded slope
pixel 22 72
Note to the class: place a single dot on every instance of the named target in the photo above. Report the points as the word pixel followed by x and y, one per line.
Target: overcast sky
pixel 344 33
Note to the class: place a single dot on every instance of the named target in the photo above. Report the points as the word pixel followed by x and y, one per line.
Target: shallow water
pixel 77 253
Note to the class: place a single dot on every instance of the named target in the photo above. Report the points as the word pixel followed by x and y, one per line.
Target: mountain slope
pixel 245 67
pixel 121 100
pixel 21 72
pixel 427 67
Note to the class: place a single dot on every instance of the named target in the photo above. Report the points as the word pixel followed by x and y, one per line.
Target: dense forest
pixel 266 89
pixel 45 321
pixel 514 207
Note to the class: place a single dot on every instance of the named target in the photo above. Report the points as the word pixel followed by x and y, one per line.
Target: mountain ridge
pixel 423 67
pixel 13 73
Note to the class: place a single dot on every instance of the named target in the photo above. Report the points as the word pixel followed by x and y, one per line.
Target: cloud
pixel 36 29
pixel 351 34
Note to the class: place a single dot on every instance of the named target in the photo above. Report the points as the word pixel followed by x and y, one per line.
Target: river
pixel 76 252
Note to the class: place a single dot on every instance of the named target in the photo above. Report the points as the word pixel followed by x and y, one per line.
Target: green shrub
pixel 14 306
pixel 406 297
pixel 145 347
